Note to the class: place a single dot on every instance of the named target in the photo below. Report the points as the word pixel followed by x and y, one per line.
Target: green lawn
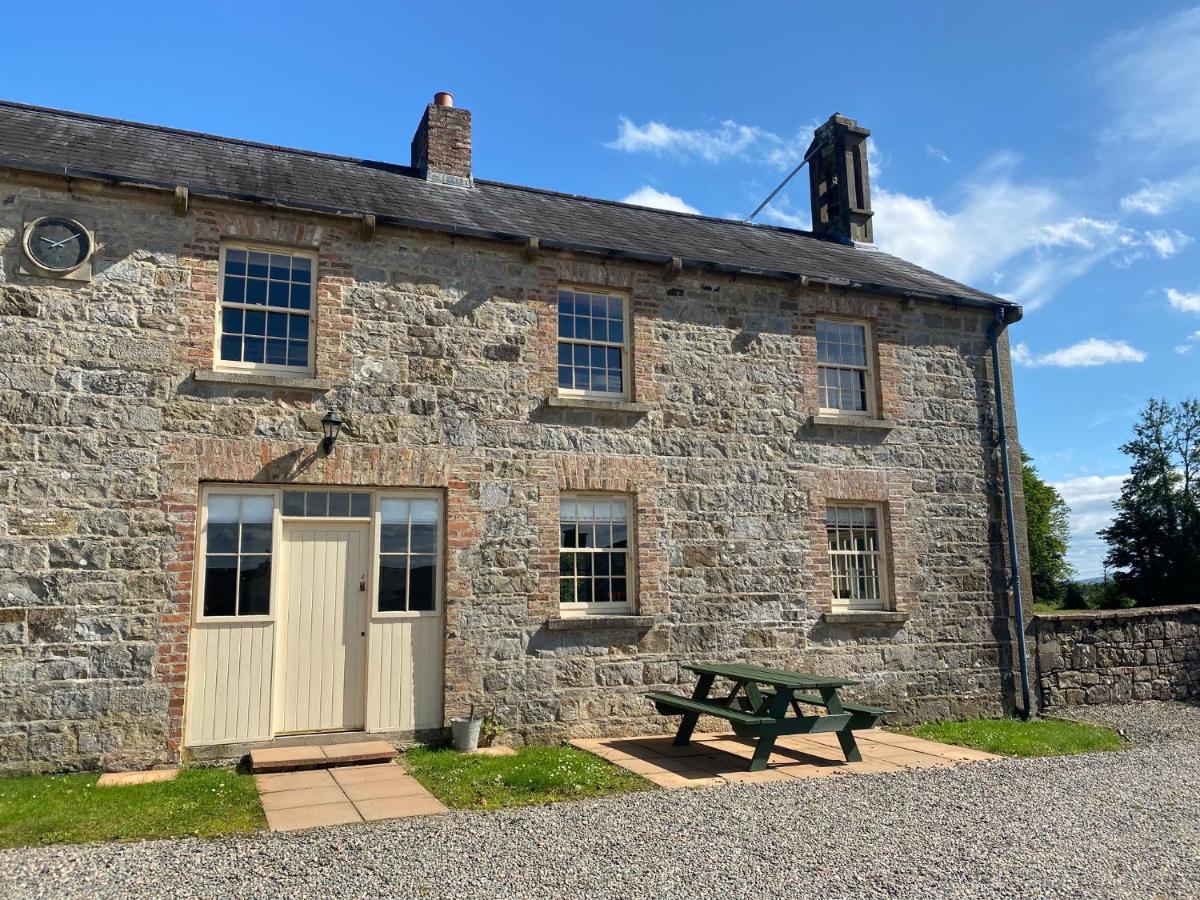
pixel 533 775
pixel 1012 737
pixel 56 809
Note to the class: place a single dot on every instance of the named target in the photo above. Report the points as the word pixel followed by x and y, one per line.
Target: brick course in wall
pixel 440 355
pixel 1114 656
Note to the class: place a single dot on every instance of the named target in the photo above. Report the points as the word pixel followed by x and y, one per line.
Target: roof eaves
pixel 709 265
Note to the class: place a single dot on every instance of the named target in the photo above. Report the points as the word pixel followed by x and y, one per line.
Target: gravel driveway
pixel 1123 824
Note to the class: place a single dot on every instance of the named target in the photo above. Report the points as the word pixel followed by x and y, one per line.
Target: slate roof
pixel 35 138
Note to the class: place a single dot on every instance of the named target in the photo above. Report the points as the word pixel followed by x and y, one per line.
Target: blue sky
pixel 1045 151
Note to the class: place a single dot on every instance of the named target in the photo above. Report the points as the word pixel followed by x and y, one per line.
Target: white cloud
pixel 936 153
pixel 1156 198
pixel 1090 499
pixel 1090 352
pixel 1151 75
pixel 1183 348
pixel 1020 236
pixel 728 140
pixel 656 199
pixel 1184 302
pixel 1167 243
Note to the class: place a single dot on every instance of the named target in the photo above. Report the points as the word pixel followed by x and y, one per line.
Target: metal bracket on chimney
pixel 533 247
pixel 181 200
pixel 366 227
pixel 672 268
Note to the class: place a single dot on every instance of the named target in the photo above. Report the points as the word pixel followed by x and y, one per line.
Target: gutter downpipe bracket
pixel 1014 575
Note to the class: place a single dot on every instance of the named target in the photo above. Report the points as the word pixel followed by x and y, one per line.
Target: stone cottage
pixel 296 443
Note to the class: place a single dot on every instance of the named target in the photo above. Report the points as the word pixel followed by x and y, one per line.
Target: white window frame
pixel 224 365
pixel 439 557
pixel 626 391
pixel 570 610
pixel 883 602
pixel 200 570
pixel 869 369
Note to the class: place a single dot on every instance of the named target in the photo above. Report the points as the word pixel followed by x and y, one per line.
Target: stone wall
pixel 1114 656
pixel 440 354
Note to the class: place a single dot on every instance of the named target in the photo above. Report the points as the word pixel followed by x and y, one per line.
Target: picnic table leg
pixel 687 725
pixel 845 736
pixel 766 743
pixel 762 752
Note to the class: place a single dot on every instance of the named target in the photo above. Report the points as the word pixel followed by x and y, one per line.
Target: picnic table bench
pixel 759 703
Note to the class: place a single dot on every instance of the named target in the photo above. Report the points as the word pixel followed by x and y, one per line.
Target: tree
pixel 1047 527
pixel 1154 541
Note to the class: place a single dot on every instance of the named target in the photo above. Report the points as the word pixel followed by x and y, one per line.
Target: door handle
pixel 362 582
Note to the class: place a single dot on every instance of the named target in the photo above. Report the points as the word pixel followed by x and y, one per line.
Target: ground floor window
pixel 595 572
pixel 409 546
pixel 856 555
pixel 238 538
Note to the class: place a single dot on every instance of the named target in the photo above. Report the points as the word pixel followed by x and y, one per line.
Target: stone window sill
pixel 863 422
pixel 594 623
pixel 866 617
pixel 262 379
pixel 618 406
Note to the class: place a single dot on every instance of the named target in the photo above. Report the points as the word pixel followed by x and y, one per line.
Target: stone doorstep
pixel 283 759
pixel 124 779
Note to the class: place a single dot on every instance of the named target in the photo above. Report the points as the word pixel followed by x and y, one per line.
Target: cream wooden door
pixel 322 628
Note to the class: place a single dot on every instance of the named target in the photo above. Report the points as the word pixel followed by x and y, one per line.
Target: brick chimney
pixel 441 148
pixel 838 181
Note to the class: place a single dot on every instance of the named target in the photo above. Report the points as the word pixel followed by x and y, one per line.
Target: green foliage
pixel 489 730
pixel 1046 524
pixel 1012 737
pixel 1154 541
pixel 1095 595
pixel 532 775
pixel 57 809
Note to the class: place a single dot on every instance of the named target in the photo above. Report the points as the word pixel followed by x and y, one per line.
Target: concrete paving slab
pixel 124 779
pixel 296 818
pixel 384 788
pixel 294 781
pixel 316 796
pixel 399 807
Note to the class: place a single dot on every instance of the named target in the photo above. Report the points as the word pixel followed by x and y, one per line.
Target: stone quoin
pixel 583 444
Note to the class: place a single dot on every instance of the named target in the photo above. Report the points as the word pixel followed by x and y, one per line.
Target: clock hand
pixel 66 240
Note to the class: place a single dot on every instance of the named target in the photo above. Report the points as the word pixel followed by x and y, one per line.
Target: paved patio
pixel 341 796
pixel 716 758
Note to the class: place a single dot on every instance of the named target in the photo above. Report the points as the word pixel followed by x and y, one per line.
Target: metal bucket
pixel 466 734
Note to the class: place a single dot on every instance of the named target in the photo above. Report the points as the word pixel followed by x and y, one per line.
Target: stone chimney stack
pixel 838 180
pixel 441 148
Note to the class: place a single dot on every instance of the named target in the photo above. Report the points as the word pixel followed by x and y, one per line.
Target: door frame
pixel 363 526
pixel 373 618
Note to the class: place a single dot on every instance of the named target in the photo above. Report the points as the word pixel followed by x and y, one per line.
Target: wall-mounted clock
pixel 58 245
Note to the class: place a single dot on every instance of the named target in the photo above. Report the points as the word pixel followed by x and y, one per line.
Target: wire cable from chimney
pixel 771 196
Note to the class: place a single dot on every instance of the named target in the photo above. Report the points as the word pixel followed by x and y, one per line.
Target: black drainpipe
pixel 1014 568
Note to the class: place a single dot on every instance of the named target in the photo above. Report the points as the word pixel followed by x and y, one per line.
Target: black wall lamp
pixel 332 426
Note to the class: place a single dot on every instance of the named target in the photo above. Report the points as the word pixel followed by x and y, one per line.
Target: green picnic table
pixel 759 704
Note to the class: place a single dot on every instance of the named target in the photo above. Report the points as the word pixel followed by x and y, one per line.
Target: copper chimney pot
pixel 443 98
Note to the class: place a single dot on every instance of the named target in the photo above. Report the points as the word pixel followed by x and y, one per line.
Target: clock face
pixel 58 244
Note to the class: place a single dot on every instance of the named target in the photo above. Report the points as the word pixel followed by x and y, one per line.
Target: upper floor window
pixel 266 309
pixel 856 560
pixel 594 565
pixel 593 329
pixel 844 376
